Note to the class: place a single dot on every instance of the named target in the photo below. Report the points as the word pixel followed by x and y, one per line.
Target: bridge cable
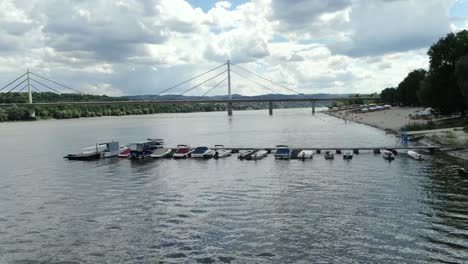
pixel 22 89
pixel 198 85
pixel 177 85
pixel 45 85
pixel 35 88
pixel 15 86
pixel 214 87
pixel 247 78
pixel 13 81
pixel 56 83
pixel 282 86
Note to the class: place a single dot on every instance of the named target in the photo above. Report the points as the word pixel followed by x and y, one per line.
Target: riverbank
pixel 453 140
pixel 389 119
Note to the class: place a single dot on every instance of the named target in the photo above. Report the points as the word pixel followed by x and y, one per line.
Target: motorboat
pixel 143 150
pixel 89 153
pixel 388 155
pixel 160 153
pixel 348 155
pixel 305 154
pixel 393 151
pixel 462 171
pixel 259 154
pixel 124 152
pixel 329 155
pixel 203 152
pixel 221 152
pixel 415 155
pixel 283 152
pixel 182 152
pixel 245 154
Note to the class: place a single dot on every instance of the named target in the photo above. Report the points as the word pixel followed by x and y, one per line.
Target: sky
pixel 131 47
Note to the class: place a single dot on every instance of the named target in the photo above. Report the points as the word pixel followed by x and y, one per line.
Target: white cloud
pixel 143 46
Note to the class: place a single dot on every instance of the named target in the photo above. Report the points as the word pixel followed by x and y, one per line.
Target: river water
pixel 366 210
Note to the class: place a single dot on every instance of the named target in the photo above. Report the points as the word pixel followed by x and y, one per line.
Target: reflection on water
pixel 224 211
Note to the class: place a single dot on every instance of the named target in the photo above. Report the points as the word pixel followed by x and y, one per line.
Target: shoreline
pixel 392 120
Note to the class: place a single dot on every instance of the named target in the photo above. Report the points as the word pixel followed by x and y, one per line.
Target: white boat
pixel 161 153
pixel 182 152
pixel 245 154
pixel 101 150
pixel 415 155
pixel 329 155
pixel 388 155
pixel 283 152
pixel 348 155
pixel 144 149
pixel 221 152
pixel 305 154
pixel 259 154
pixel 203 152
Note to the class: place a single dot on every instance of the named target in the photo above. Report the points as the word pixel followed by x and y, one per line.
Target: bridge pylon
pixel 229 105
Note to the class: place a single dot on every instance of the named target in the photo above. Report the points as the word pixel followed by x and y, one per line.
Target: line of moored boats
pixel 154 148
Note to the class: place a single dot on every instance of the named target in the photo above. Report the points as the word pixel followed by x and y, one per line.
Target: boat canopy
pixel 112 146
pixel 200 150
pixel 283 151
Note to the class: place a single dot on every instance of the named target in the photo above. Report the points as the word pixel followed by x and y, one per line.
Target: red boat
pixel 182 152
pixel 124 152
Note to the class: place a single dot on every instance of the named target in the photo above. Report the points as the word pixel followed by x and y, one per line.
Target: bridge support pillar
pixel 229 108
pixel 270 108
pixel 313 107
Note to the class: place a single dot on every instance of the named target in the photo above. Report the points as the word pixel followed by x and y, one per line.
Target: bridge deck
pixel 195 101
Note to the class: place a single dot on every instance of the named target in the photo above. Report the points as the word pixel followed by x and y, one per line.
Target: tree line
pixel 444 86
pixel 18 113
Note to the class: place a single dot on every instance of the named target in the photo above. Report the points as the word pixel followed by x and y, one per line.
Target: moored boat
pixel 348 155
pixel 182 152
pixel 244 154
pixel 305 154
pixel 89 153
pixel 415 155
pixel 145 149
pixel 160 153
pixel 221 152
pixel 203 152
pixel 283 152
pixel 259 154
pixel 388 155
pixel 393 151
pixel 329 155
pixel 124 152
pixel 462 171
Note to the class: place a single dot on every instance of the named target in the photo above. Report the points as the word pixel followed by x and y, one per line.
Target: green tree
pixel 461 74
pixel 408 88
pixel 440 88
pixel 390 95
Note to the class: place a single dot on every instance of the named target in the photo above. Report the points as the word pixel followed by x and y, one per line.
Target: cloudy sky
pixel 131 47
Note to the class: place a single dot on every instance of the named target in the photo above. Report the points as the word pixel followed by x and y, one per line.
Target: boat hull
pixel 90 156
pixel 414 155
pixel 305 154
pixel 161 154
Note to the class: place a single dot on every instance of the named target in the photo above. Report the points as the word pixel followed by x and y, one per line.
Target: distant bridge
pixel 31 82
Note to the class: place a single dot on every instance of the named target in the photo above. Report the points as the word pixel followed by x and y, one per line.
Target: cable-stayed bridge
pixel 35 83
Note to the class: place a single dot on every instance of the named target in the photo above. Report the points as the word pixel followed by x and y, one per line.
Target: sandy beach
pixel 390 119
